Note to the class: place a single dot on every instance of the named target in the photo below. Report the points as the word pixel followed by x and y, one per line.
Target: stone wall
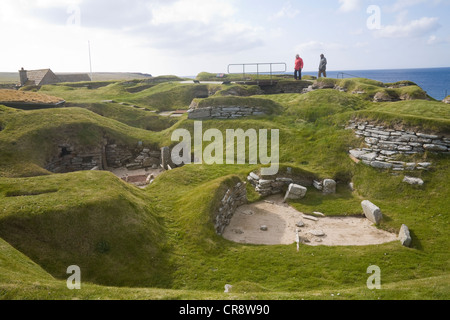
pixel 383 144
pixel 70 160
pixel 233 198
pixel 224 112
pixel 280 184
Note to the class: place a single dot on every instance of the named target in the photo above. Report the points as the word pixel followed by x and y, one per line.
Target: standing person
pixel 298 67
pixel 323 66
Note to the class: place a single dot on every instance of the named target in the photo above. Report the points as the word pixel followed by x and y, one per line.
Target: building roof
pixel 76 77
pixel 46 76
pixel 36 76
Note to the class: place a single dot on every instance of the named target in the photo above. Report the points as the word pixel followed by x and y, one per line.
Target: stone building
pixel 46 76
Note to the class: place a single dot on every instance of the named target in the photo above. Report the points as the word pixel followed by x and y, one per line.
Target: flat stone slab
pixel 404 236
pixel 371 211
pixel 295 192
pixel 310 217
pixel 413 181
pixel 317 233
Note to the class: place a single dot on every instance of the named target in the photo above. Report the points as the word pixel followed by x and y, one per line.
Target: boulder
pixel 371 211
pixel 404 236
pixel 295 192
pixel 412 181
pixel 300 224
pixel 317 233
pixel 329 186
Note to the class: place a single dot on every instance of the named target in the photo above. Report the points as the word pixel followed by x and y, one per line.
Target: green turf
pixel 160 243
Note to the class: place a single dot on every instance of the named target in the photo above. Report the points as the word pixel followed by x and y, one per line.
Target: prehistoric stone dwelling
pixel 46 76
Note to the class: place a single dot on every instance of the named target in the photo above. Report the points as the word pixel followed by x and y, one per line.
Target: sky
pixel 186 37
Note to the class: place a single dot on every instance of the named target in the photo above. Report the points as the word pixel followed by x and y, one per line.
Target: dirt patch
pixel 281 223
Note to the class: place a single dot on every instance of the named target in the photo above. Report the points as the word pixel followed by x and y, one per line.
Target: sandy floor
pixel 281 219
pixel 139 174
pixel 122 172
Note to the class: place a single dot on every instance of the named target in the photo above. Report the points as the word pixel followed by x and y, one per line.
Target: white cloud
pixel 204 11
pixel 400 5
pixel 415 28
pixel 349 5
pixel 287 11
pixel 316 46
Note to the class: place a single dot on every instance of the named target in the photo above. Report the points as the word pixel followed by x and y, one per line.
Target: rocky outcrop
pixel 446 100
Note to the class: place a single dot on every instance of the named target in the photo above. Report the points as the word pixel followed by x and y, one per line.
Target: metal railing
pixel 273 66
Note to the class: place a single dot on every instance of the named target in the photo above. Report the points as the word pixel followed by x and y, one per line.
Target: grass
pixel 160 243
pixel 26 97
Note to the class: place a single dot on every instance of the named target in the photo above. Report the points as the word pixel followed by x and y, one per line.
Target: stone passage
pixel 383 144
pixel 233 198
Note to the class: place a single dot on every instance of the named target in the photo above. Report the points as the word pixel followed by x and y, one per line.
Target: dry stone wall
pixel 70 159
pixel 233 198
pixel 224 112
pixel 280 184
pixel 383 144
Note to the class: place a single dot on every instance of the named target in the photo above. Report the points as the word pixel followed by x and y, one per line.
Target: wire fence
pixel 271 68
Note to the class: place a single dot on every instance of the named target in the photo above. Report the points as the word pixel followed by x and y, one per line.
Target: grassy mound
pixel 30 138
pixel 90 219
pixel 162 238
pixel 266 105
pixel 159 96
pixel 26 97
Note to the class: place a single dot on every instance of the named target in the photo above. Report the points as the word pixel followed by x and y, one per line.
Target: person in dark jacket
pixel 298 68
pixel 323 66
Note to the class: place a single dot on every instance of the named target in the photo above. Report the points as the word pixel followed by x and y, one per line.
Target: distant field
pixel 13 77
pixel 9 77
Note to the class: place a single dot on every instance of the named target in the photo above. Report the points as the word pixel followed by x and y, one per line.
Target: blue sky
pixel 185 37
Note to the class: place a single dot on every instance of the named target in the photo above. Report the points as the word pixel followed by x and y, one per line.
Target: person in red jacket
pixel 298 68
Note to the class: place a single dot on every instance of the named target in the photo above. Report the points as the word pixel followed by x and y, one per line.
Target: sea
pixel 435 81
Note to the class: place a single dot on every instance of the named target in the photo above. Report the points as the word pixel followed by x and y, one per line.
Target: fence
pixel 270 69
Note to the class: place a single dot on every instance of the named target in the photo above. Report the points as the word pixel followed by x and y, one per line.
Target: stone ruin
pixel 111 156
pixel 383 144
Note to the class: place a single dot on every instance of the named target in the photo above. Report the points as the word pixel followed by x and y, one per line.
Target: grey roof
pixel 36 76
pixel 46 76
pixel 75 77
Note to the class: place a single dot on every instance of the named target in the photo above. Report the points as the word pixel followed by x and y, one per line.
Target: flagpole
pixel 90 61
